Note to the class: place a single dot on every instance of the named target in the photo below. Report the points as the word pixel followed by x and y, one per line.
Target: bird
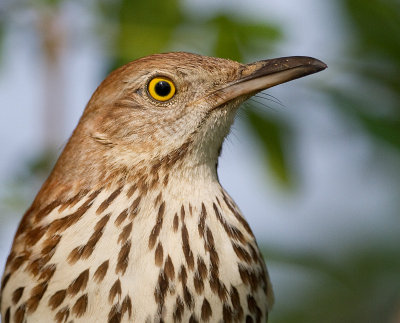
pixel 132 224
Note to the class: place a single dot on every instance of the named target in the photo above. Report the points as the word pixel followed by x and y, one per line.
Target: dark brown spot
pixel 106 203
pixel 155 179
pixel 179 309
pixel 36 295
pixel 121 217
pixel 248 276
pixel 249 319
pixel 80 306
pixel 37 265
pixel 50 244
pixel 102 222
pixel 157 227
pixel 218 287
pixel 101 272
pixel 57 298
pixel 131 190
pixel 169 268
pixel 244 274
pixel 165 180
pixel 176 222
pixel 253 307
pixel 114 316
pixel 10 258
pixel 237 234
pixel 214 258
pixel 79 283
pixel 155 168
pixel 170 160
pixel 20 314
pixel 161 289
pixel 241 253
pixel 73 200
pixel 115 291
pixel 123 258
pixel 46 210
pixel 69 220
pixel 126 231
pixel 126 306
pixel 198 283
pixel 62 315
pixel 26 221
pixel 202 220
pixel 134 208
pixel 219 203
pixel 206 311
pixel 7 316
pixel 16 296
pixel 5 281
pixel 214 271
pixel 254 254
pixel 255 282
pixel 112 174
pixel 227 313
pixel 182 213
pixel 187 296
pixel 159 255
pixel 201 267
pixel 210 239
pixel 263 278
pixel 17 262
pixel 237 307
pixel 186 247
pixel 237 215
pixel 143 185
pixel 47 272
pixel 88 249
pixel 75 254
pixel 182 276
pixel 193 319
pixel 232 231
pixel 34 235
pixel 78 197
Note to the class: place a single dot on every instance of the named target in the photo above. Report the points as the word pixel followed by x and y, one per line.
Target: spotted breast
pixel 132 224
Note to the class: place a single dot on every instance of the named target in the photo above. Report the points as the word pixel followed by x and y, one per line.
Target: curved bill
pixel 264 74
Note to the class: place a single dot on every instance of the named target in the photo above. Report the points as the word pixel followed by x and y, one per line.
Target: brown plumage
pixel 132 225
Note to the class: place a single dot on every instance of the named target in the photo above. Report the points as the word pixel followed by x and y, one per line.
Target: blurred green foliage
pixel 238 37
pixel 142 27
pixel 373 61
pixel 364 285
pixel 271 134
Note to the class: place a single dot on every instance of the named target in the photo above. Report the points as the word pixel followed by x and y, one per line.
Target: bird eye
pixel 161 89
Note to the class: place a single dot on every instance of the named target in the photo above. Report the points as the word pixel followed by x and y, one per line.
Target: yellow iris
pixel 161 89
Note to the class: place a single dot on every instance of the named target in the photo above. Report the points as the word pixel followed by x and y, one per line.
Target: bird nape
pixel 132 225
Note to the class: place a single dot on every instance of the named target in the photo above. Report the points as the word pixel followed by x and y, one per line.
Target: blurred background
pixel 313 164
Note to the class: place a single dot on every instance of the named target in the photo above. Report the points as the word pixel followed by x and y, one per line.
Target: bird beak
pixel 264 74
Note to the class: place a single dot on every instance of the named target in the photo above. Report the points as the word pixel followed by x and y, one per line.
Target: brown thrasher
pixel 133 225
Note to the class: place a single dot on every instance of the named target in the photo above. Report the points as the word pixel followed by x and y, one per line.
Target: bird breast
pixel 130 253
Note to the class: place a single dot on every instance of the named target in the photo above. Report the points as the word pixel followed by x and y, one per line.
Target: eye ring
pixel 161 88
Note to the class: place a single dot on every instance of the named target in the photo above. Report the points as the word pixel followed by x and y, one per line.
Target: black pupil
pixel 163 88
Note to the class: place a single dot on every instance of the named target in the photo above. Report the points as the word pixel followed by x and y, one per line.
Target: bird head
pixel 168 107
